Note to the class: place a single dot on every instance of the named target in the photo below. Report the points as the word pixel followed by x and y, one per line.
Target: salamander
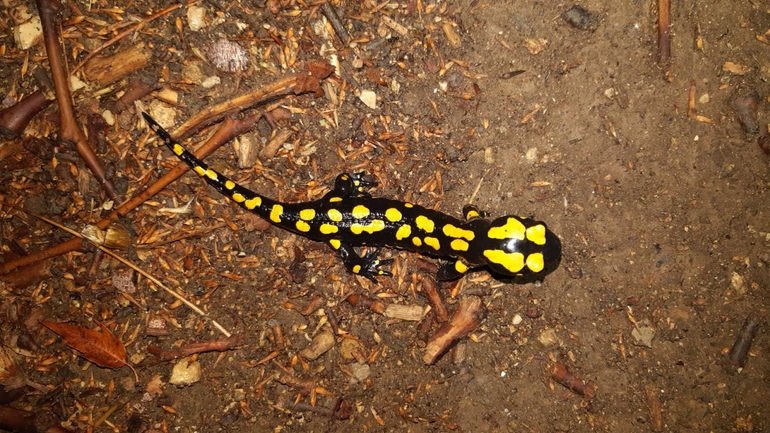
pixel 510 247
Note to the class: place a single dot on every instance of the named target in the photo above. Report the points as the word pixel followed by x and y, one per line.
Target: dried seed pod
pixel 116 236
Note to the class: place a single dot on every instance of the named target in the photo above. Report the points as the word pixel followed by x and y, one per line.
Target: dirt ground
pixel 651 175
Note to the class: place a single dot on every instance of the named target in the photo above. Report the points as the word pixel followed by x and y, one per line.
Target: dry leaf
pixel 11 376
pixel 101 348
pixel 736 68
pixel 155 386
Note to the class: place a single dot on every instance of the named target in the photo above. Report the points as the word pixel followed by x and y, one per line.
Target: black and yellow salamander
pixel 510 247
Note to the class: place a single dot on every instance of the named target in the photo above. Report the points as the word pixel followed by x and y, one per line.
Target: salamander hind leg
pixel 367 266
pixel 449 271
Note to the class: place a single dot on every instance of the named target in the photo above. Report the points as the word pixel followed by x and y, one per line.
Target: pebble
pixel 369 98
pixel 185 372
pixel 28 34
pixel 580 18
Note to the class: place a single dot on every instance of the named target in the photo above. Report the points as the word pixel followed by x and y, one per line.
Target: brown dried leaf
pixel 11 376
pixel 101 348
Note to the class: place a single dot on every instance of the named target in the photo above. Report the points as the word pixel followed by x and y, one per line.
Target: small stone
pixel 548 338
pixel 517 319
pixel 210 82
pixel 360 372
pixel 108 117
pixel 580 18
pixel 531 155
pixel 643 334
pixel 196 18
pixel 737 283
pixel 27 35
pixel 185 372
pixel 321 344
pixel 369 98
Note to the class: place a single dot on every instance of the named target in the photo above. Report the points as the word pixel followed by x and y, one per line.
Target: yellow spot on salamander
pixel 535 262
pixel 307 214
pixel 461 267
pixel 253 203
pixel 473 213
pixel 536 234
pixel 238 198
pixel 513 262
pixel 275 213
pixel 372 227
pixel 513 228
pixel 303 226
pixel 417 241
pixel 425 224
pixel 335 215
pixel 356 269
pixel 393 215
pixel 229 184
pixel 211 174
pixel 433 242
pixel 360 211
pixel 403 232
pixel 335 199
pixel 178 149
pixel 198 169
pixel 335 243
pixel 328 229
pixel 456 232
pixel 459 245
pixel 408 205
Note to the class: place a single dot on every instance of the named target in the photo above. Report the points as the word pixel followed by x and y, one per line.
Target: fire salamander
pixel 510 247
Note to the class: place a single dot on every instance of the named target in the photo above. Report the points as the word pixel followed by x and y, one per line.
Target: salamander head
pixel 521 247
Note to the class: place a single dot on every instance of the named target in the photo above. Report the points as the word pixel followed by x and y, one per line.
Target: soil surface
pixel 649 171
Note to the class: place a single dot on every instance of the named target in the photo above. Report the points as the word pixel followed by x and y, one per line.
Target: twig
pixel 656 410
pixel 470 312
pixel 739 353
pixel 301 82
pixel 220 345
pixel 434 297
pixel 15 118
pixel 131 265
pixel 664 37
pixel 21 421
pixel 561 375
pixel 68 130
pixel 336 23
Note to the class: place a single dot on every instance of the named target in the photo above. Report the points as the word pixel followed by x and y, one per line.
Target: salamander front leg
pixel 471 212
pixel 350 185
pixel 367 266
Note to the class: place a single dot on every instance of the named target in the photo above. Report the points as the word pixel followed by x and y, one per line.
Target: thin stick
pixel 664 30
pixel 69 130
pixel 131 265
